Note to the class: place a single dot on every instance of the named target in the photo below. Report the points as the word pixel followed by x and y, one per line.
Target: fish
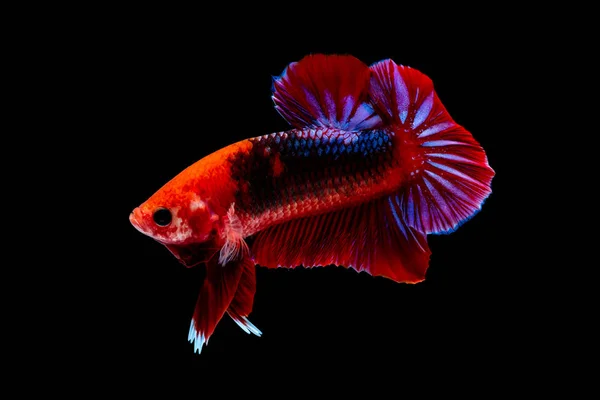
pixel 371 164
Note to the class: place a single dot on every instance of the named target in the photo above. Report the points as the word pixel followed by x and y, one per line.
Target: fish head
pixel 176 218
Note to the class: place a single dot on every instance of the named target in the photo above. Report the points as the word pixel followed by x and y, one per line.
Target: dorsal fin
pixel 325 90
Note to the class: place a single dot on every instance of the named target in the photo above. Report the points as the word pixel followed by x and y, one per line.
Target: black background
pixel 172 94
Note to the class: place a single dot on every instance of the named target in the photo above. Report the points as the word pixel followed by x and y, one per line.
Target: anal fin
pixel 372 237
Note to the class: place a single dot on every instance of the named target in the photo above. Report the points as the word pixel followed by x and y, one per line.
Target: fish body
pixel 372 164
pixel 301 173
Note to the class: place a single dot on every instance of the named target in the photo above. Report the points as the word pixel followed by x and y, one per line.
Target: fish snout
pixel 137 220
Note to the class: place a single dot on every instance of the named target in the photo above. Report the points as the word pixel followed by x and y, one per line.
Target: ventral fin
pixel 447 173
pixel 325 90
pixel 241 305
pixel 372 237
pixel 215 297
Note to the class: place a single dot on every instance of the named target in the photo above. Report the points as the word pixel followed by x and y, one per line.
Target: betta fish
pixel 372 164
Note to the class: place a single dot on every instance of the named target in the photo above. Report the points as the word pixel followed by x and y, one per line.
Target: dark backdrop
pixel 174 95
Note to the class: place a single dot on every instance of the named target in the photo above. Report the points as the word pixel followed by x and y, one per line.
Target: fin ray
pixel 215 297
pixel 241 305
pixel 325 90
pixel 443 150
pixel 371 237
pixel 235 246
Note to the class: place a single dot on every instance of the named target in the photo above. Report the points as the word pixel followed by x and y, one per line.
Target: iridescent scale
pixel 302 171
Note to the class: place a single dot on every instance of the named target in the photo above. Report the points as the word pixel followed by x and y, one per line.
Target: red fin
pixel 325 90
pixel 447 173
pixel 371 237
pixel 216 295
pixel 241 305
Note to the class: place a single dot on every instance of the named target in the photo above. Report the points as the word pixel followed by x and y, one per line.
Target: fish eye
pixel 162 217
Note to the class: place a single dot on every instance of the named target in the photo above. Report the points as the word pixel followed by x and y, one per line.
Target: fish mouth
pixel 135 217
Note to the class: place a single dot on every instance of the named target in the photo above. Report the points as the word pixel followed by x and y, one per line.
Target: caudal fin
pixel 447 172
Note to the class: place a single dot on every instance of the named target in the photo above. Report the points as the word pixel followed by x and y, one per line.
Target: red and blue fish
pixel 373 163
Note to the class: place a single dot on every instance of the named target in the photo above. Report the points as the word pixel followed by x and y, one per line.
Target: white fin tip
pixel 247 326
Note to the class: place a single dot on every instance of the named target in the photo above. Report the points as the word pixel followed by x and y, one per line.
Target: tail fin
pixel 446 169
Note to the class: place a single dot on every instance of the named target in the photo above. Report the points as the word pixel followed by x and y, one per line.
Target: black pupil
pixel 162 217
